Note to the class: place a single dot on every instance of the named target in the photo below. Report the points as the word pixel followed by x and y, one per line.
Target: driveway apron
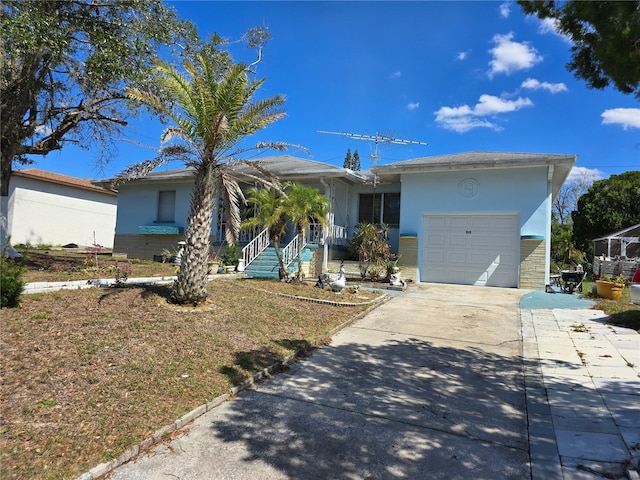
pixel 429 385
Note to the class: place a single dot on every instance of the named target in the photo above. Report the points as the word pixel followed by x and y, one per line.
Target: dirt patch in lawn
pixel 72 264
pixel 87 373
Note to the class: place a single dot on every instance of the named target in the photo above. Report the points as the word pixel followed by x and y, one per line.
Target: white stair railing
pixel 338 235
pixel 256 246
pixel 290 252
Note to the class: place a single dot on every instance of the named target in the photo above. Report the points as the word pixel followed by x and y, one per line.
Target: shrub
pixel 369 244
pixel 11 283
pixel 232 255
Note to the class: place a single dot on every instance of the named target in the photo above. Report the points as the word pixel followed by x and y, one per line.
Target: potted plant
pixel 610 288
pixel 214 264
pixel 231 257
pixel 215 261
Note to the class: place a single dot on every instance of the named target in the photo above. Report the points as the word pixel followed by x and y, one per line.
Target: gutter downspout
pixel 325 229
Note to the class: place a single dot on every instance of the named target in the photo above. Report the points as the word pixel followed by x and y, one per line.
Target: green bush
pixel 11 283
pixel 232 255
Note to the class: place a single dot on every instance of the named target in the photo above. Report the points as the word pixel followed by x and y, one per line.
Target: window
pixel 167 206
pixel 369 208
pixel 391 211
pixel 383 208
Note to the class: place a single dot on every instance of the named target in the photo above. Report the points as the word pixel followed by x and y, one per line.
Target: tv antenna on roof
pixel 375 154
pixel 377 138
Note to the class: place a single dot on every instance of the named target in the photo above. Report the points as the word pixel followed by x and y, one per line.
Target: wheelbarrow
pixel 571 280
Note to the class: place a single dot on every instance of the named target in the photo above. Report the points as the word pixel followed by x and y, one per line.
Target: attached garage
pixel 471 249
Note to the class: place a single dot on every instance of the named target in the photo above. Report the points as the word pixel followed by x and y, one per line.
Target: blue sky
pixel 460 76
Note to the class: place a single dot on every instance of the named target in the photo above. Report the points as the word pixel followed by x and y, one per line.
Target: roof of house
pixel 289 167
pixel 50 177
pixel 562 164
pixel 285 167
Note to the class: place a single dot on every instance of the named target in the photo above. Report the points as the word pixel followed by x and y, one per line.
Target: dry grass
pixel 621 311
pixel 65 265
pixel 85 374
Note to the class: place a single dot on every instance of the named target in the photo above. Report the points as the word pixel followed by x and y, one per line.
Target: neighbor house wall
pixel 43 212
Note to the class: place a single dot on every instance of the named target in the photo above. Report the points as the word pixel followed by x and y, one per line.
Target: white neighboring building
pixel 54 209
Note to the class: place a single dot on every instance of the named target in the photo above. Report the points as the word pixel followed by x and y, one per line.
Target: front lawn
pixel 88 373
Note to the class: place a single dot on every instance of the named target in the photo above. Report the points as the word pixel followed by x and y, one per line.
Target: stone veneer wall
pixel 532 264
pixel 145 246
pixel 408 261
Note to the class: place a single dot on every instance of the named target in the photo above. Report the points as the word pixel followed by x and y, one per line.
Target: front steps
pixel 266 264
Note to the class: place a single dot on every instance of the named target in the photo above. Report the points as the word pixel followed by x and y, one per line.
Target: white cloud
pixel 510 56
pixel 490 105
pixel 395 75
pixel 584 175
pixel 552 26
pixel 462 55
pixel 413 105
pixel 505 9
pixel 464 118
pixel 627 117
pixel 549 25
pixel 533 84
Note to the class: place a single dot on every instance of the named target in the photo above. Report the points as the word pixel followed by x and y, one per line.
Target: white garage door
pixel 471 250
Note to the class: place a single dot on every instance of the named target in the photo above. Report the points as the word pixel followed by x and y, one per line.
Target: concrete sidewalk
pixel 431 384
pixel 583 394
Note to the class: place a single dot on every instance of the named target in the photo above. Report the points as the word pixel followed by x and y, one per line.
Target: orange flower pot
pixel 609 290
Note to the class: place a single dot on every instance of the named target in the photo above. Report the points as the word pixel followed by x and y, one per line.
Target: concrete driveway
pixel 429 385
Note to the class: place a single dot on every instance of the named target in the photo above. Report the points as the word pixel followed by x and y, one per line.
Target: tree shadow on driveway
pixel 405 408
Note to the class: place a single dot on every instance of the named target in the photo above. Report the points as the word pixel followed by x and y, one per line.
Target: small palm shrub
pixel 370 246
pixel 11 283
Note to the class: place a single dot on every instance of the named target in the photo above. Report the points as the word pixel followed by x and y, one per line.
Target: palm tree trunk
pixel 191 285
pixel 300 237
pixel 282 270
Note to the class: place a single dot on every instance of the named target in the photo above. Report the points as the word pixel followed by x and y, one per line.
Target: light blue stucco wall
pixel 515 190
pixel 341 202
pixel 138 205
pixel 521 191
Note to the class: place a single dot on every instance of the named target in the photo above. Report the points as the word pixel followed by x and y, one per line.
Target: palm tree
pixel 269 213
pixel 214 112
pixel 302 204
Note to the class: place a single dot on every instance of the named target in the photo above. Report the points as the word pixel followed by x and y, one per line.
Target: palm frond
pixel 149 99
pixel 139 169
pixel 264 176
pixel 233 197
pixel 172 133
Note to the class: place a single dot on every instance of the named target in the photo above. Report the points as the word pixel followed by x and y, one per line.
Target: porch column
pixel 325 229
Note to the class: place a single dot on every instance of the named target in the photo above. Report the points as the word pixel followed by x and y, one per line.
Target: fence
pixel 615 268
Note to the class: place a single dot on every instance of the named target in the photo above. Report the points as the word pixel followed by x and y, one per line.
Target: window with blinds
pixel 167 206
pixel 381 208
pixel 369 208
